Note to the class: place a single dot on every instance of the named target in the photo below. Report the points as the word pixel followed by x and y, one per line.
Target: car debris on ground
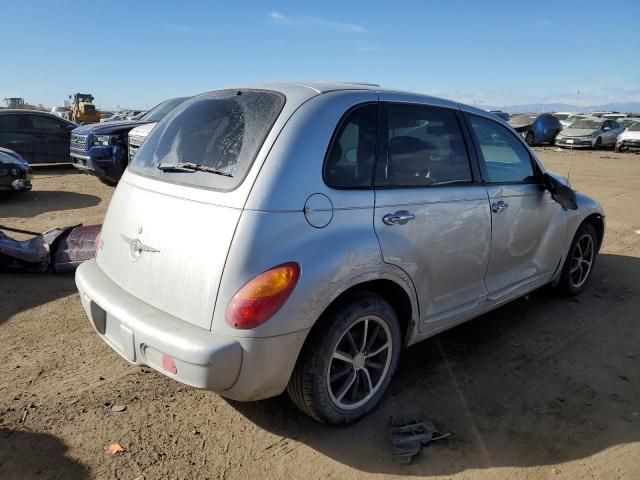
pixel 58 250
pixel 408 436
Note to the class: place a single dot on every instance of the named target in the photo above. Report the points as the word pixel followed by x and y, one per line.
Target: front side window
pixel 425 146
pixel 351 156
pixel 507 160
pixel 210 140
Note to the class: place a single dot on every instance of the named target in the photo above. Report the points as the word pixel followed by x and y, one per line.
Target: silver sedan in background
pixel 590 132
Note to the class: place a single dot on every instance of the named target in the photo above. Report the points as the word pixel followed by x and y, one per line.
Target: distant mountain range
pixel 565 107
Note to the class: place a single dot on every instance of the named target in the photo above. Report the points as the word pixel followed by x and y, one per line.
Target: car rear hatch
pixel 173 216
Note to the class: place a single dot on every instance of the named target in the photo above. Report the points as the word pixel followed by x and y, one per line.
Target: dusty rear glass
pixel 221 130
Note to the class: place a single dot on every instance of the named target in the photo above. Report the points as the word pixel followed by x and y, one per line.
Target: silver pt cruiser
pixel 299 235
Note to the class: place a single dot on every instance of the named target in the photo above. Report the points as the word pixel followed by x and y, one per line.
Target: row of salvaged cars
pixel 37 137
pixel 576 130
pixel 104 149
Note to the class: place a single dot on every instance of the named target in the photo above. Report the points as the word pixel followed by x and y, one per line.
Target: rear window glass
pixel 349 163
pixel 221 130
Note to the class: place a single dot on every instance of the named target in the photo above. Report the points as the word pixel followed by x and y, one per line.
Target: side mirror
pixel 561 193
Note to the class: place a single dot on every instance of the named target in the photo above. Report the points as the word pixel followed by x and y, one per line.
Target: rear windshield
pixel 221 130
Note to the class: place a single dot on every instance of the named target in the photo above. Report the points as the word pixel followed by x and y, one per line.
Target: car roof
pixel 24 110
pixel 300 91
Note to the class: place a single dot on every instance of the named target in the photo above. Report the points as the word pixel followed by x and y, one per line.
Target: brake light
pixel 96 241
pixel 262 297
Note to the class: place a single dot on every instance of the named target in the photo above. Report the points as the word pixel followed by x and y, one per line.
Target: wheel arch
pixel 597 221
pixel 402 302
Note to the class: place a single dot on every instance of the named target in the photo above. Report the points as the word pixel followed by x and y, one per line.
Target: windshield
pixel 635 127
pixel 158 112
pixel 586 124
pixel 223 130
pixel 627 122
pixel 562 116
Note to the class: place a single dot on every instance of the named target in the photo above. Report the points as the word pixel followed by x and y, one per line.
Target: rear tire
pixel 347 362
pixel 530 139
pixel 580 261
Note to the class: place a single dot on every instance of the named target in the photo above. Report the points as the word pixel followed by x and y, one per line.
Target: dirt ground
pixel 545 387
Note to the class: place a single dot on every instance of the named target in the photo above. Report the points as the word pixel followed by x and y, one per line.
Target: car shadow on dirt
pixel 22 291
pixel 32 203
pixel 540 381
pixel 28 455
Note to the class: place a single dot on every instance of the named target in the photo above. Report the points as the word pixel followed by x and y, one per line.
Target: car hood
pixel 142 130
pixel 577 132
pixel 627 135
pixel 108 127
pixel 9 161
pixel 521 124
pixel 10 157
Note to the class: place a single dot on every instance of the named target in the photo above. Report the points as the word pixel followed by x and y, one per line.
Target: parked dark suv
pixel 38 137
pixel 101 148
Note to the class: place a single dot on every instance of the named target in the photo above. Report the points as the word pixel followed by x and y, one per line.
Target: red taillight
pixel 96 241
pixel 258 300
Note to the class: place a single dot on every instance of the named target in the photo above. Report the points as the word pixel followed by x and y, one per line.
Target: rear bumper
pixel 240 368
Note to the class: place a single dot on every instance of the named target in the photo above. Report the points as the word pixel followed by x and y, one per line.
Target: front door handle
pixel 399 218
pixel 499 206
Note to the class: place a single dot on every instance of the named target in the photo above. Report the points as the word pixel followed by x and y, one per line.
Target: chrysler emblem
pixel 136 247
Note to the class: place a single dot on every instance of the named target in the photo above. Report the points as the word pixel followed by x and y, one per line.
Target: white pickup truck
pixel 137 136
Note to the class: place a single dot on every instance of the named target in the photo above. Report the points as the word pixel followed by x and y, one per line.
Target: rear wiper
pixel 190 167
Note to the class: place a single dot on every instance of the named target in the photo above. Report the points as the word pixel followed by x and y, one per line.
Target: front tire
pixel 347 363
pixel 598 144
pixel 580 261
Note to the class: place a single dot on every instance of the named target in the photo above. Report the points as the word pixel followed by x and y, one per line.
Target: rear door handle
pixel 499 206
pixel 399 218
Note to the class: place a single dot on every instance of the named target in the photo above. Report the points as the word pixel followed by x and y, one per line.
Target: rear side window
pixel 221 130
pixel 41 122
pixel 425 147
pixel 9 122
pixel 351 156
pixel 507 160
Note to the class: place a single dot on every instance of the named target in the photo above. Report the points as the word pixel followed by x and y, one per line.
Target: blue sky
pixel 138 53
